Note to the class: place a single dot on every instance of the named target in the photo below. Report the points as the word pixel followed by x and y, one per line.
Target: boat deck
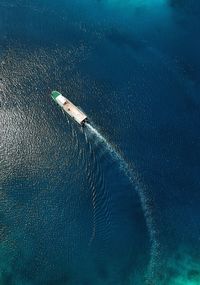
pixel 74 112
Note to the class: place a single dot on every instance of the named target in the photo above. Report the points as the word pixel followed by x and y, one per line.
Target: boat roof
pixel 55 94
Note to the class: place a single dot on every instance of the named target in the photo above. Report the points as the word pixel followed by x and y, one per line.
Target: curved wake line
pixel 146 202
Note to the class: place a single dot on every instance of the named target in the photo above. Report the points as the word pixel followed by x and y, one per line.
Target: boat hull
pixel 74 112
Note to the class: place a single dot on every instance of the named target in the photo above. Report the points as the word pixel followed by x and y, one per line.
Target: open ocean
pixel 118 202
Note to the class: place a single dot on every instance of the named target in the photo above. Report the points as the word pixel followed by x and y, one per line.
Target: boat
pixel 73 111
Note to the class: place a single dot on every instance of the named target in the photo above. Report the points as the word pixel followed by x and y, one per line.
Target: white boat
pixel 69 108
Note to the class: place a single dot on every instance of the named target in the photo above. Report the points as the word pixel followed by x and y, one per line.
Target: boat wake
pixel 145 199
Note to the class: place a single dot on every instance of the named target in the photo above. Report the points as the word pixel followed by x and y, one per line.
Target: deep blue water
pixel 118 205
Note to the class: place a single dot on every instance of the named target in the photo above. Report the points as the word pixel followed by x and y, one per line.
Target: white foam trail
pixel 146 202
pixel 102 139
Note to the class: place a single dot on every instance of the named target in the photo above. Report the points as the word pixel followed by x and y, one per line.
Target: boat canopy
pixel 55 94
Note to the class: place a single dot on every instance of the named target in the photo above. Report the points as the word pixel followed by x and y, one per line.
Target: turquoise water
pixel 116 202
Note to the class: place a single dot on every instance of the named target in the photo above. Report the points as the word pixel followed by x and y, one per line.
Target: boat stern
pixel 85 121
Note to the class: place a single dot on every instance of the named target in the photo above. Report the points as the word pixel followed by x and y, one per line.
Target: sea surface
pixel 116 202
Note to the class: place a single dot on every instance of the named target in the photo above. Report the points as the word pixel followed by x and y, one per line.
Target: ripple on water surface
pixel 62 208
